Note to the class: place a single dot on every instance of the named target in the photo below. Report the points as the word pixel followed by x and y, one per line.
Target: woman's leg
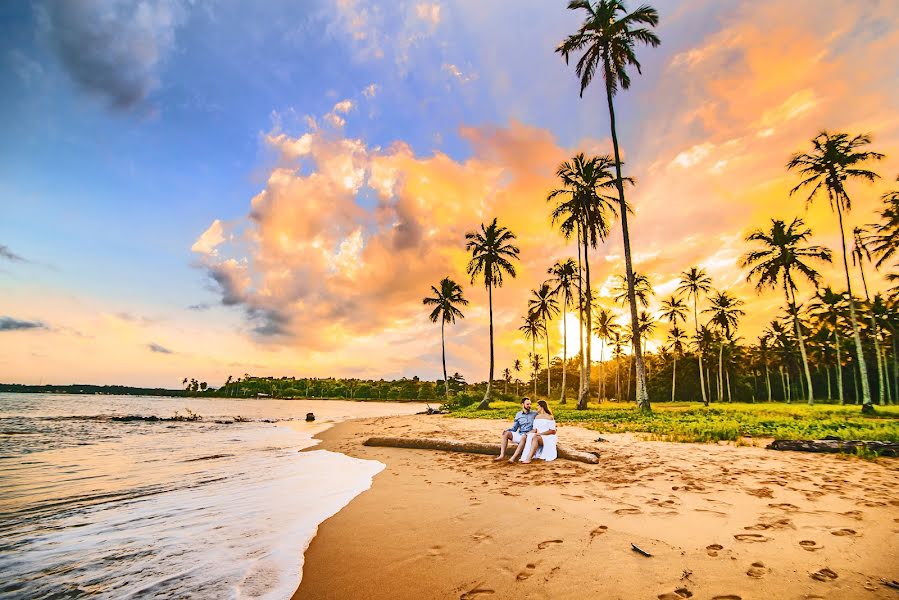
pixel 537 442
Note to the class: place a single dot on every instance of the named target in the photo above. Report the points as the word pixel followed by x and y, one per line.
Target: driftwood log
pixel 836 446
pixel 469 447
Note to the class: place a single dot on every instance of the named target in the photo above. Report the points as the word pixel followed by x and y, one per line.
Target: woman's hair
pixel 542 404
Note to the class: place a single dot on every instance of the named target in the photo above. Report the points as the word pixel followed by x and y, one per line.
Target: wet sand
pixel 721 521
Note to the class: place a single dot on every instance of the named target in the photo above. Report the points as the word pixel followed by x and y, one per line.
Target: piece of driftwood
pixel 640 550
pixel 469 447
pixel 836 446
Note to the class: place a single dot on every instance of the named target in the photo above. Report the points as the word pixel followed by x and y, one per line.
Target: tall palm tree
pixel 693 283
pixel 782 344
pixel 642 290
pixel 507 377
pixel 444 301
pixel 544 306
pixel 677 339
pixel 860 251
pixel 607 38
pixel 604 329
pixel 492 253
pixel 835 159
pixel 880 321
pixel 673 310
pixel 585 210
pixel 535 366
pixel 726 313
pixel 783 252
pixel 764 339
pixel 564 275
pixel 533 329
pixel 828 311
pixel 885 238
pixel 516 366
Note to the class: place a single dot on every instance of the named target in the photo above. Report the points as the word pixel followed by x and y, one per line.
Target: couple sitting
pixel 533 432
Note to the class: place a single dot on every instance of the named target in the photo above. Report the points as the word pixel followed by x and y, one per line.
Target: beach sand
pixel 721 521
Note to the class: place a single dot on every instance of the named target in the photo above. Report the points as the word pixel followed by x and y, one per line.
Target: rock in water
pixel 310 417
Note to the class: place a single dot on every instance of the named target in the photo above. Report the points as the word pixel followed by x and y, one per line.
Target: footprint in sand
pixel 853 514
pixel 824 574
pixel 712 549
pixel 527 572
pixel 727 597
pixel 750 537
pixel 480 537
pixel 874 503
pixel 757 570
pixel 761 492
pixel 809 545
pixel 628 511
pixel 785 507
pixel 573 496
pixel 435 551
pixel 845 532
pixel 547 544
pixel 475 592
pixel 678 594
pixel 598 531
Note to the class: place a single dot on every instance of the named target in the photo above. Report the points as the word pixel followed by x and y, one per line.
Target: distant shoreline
pixel 122 390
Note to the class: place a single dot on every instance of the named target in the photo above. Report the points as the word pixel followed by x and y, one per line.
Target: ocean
pixel 94 505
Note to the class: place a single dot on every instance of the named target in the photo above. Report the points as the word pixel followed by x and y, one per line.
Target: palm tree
pixel 492 253
pixel 828 309
pixel 585 210
pixel 834 159
pixel 543 306
pixel 444 301
pixel 885 239
pixel 860 251
pixel 533 329
pixel 642 290
pixel 507 377
pixel 604 329
pixel 781 255
pixel 694 282
pixel 880 321
pixel 535 367
pixel 677 338
pixel 763 356
pixel 726 312
pixel 564 274
pixel 607 37
pixel 516 366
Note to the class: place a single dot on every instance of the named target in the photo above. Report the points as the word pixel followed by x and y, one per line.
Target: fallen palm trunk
pixel 836 446
pixel 468 447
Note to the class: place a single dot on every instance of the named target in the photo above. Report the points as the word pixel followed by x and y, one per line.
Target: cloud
pixel 11 324
pixel 428 12
pixel 114 49
pixel 370 91
pixel 344 106
pixel 199 307
pixel 209 239
pixel 8 254
pixel 154 347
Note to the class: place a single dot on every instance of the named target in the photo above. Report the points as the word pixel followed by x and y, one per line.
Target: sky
pixel 205 188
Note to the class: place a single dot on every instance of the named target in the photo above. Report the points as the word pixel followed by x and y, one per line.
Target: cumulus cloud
pixel 370 90
pixel 154 347
pixel 114 49
pixel 12 324
pixel 209 239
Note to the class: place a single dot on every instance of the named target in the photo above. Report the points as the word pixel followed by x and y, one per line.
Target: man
pixel 524 422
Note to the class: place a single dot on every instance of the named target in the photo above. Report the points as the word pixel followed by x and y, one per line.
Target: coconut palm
pixel 564 275
pixel 726 313
pixel 445 301
pixel 828 308
pixel 783 253
pixel 585 210
pixel 885 237
pixel 492 253
pixel 677 339
pixel 764 339
pixel 693 283
pixel 507 377
pixel 533 330
pixel 642 289
pixel 834 160
pixel 604 329
pixel 517 367
pixel 607 38
pixel 861 251
pixel 535 367
pixel 880 321
pixel 543 306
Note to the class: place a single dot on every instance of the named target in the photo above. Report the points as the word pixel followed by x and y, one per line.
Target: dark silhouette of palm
pixel 492 253
pixel 564 273
pixel 533 330
pixel 677 340
pixel 726 312
pixel 444 301
pixel 828 309
pixel 543 306
pixel 693 283
pixel 605 328
pixel 834 160
pixel 607 38
pixel 782 254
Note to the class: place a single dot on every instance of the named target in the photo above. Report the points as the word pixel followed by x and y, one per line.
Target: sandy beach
pixel 721 521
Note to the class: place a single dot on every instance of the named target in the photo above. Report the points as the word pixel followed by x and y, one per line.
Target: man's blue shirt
pixel 524 421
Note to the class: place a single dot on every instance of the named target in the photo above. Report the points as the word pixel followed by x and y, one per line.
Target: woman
pixel 541 441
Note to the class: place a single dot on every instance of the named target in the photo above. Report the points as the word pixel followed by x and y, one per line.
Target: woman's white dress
pixel 547 451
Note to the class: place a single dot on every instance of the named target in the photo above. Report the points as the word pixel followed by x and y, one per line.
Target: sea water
pixel 223 507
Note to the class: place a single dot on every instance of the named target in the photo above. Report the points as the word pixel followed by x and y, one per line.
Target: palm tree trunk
pixel 808 375
pixel 564 345
pixel 827 374
pixel 642 392
pixel 485 403
pixel 729 397
pixel 895 366
pixel 580 320
pixel 585 391
pixel 602 370
pixel 720 368
pixel 783 384
pixel 617 378
pixel 768 381
pixel 789 387
pixel 886 376
pixel 548 380
pixel 839 369
pixel 534 354
pixel 630 362
pixel 705 399
pixel 443 348
pixel 855 385
pixel 867 406
pixel 876 334
pixel 674 376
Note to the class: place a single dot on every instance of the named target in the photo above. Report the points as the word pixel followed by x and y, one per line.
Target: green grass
pixel 692 422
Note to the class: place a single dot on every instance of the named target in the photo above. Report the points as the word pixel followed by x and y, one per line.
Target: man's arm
pixel 516 426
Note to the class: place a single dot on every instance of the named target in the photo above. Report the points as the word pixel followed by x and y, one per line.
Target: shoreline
pixel 721 521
